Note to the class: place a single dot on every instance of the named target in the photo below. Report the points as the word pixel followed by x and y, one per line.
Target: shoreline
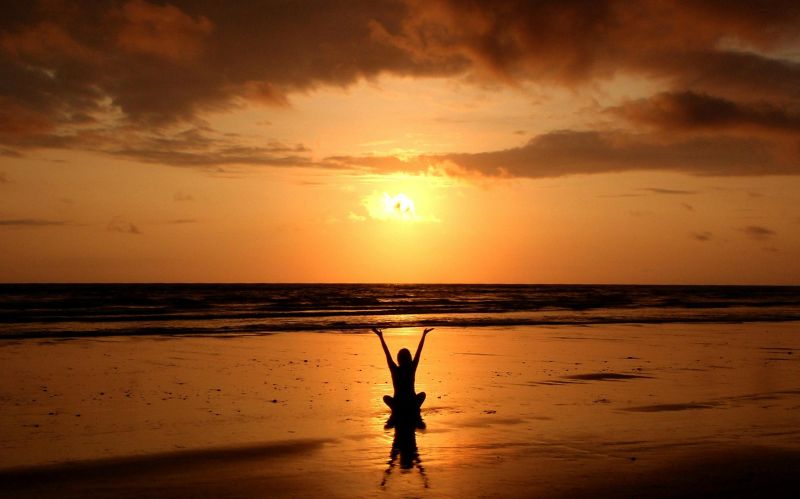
pixel 52 311
pixel 508 410
pixel 364 328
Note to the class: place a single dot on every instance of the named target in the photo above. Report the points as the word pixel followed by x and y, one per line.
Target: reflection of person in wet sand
pixel 406 402
pixel 404 452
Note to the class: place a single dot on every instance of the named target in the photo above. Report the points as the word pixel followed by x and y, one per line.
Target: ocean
pixel 86 310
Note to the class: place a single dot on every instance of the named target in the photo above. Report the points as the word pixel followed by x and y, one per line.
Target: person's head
pixel 403 357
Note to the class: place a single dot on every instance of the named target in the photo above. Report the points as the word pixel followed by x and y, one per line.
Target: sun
pixel 399 207
pixel 388 207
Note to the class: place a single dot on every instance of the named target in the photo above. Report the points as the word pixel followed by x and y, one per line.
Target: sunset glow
pixel 399 248
pixel 384 206
pixel 399 206
pixel 159 148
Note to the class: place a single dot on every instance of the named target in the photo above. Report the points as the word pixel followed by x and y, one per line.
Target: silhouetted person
pixel 406 402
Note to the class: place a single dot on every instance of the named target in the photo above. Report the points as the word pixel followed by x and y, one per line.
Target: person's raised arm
pixel 389 358
pixel 419 347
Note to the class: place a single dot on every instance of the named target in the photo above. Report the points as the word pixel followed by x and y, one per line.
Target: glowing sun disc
pixel 399 206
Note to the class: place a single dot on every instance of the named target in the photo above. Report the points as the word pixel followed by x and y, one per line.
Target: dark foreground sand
pixel 618 411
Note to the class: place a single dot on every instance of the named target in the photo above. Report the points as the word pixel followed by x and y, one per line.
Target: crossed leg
pixel 403 411
pixel 390 401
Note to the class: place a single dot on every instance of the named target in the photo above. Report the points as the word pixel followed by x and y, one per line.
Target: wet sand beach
pixel 673 410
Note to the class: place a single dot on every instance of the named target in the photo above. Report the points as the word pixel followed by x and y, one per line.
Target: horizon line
pixel 380 283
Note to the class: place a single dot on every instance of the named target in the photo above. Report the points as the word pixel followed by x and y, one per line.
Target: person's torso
pixel 403 381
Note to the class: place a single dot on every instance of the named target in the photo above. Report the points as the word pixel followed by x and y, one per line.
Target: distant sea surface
pixel 85 310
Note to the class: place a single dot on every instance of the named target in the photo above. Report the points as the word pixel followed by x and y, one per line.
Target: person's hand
pixel 426 331
pixel 377 331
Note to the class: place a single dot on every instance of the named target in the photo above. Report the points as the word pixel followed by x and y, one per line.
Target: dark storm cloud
pixel 67 66
pixel 731 74
pixel 159 63
pixel 571 42
pixel 689 110
pixel 573 152
pixel 569 152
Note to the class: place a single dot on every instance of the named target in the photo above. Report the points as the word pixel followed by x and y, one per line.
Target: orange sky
pixel 543 142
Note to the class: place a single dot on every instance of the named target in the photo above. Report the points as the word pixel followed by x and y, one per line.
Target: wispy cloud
pixel 32 222
pixel 354 217
pixel 626 195
pixel 203 147
pixel 182 197
pixel 200 147
pixel 661 190
pixel 182 221
pixel 119 224
pixel 758 232
pixel 570 152
pixel 9 153
pixel 701 236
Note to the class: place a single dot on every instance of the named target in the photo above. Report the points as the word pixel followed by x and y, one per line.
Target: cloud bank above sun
pixel 137 79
